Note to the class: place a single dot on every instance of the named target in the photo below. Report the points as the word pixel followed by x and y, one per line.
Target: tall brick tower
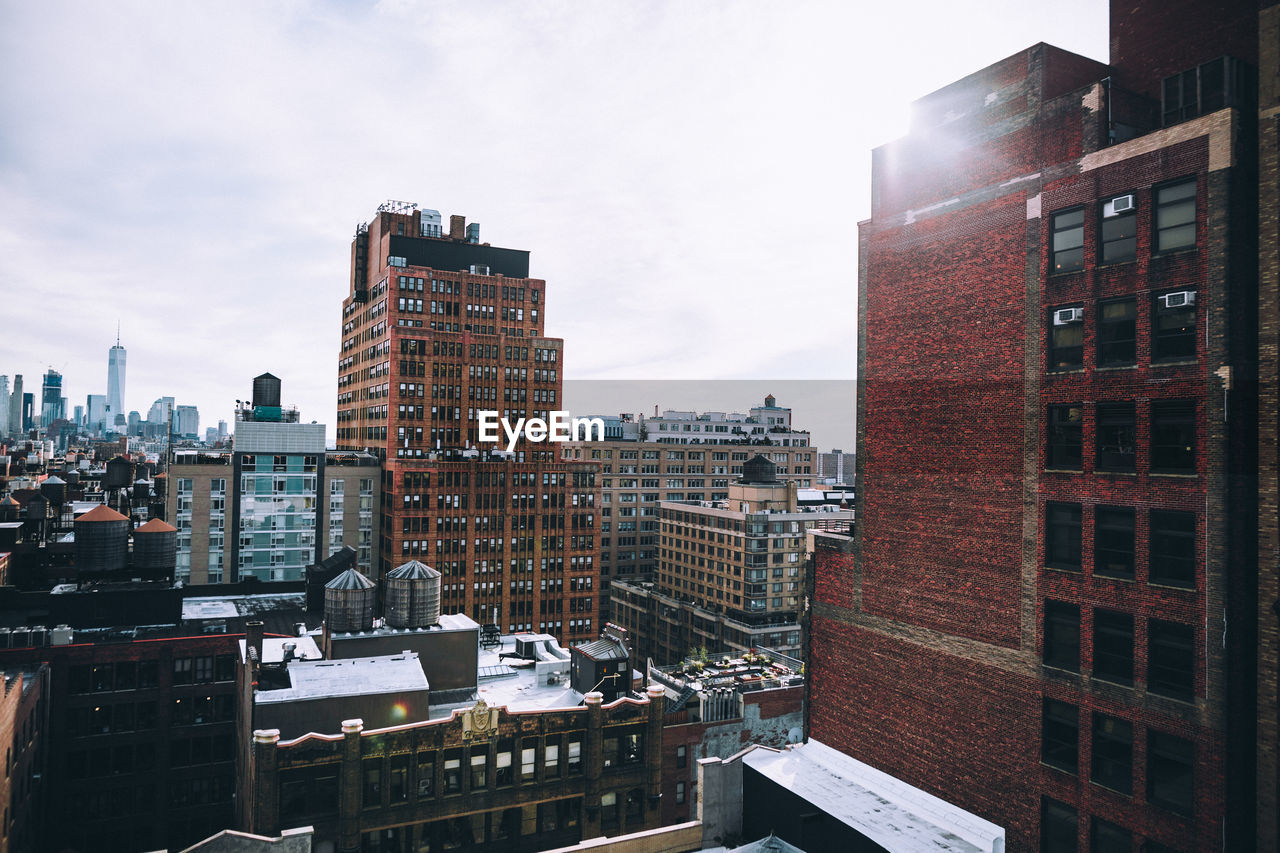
pixel 438 326
pixel 1048 612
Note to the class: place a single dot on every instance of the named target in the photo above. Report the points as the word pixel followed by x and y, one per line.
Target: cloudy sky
pixel 685 174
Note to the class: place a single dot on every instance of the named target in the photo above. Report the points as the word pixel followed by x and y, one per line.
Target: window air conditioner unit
pixel 1066 316
pixel 1118 205
pixel 1181 299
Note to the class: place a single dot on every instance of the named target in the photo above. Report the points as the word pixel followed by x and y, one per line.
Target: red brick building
pixel 140 743
pixel 1047 613
pixel 436 328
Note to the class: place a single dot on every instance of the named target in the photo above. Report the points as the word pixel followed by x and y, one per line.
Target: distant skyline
pixel 684 175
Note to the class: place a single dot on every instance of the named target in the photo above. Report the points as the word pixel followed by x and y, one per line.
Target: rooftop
pixel 231 606
pixel 321 679
pixel 888 811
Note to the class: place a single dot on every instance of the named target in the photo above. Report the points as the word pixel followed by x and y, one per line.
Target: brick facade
pixel 993 478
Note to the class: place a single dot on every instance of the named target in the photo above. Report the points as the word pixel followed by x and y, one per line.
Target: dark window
pixel 1117 437
pixel 1066 337
pixel 1064 446
pixel 1170 762
pixel 1060 740
pixel 1068 241
pixel 1173 548
pixel 399 778
pixel 1117 332
pixel 1062 536
pixel 1113 646
pixel 1173 326
pixel 1173 436
pixel 1112 753
pixel 426 773
pixel 1113 542
pixel 1058 827
pixel 126 675
pixel 1106 837
pixel 1171 659
pixel 1119 238
pixel 148 673
pixel 1175 220
pixel 182 670
pixel 1062 635
pixel 682 755
pixel 372 783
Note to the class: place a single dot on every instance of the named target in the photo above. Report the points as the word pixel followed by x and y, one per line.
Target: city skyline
pixel 205 229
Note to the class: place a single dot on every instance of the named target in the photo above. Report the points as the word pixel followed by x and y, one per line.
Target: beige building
pixel 270 517
pixel 730 571
pixel 646 461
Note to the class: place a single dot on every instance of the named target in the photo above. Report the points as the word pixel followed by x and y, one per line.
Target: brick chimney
pixel 457 227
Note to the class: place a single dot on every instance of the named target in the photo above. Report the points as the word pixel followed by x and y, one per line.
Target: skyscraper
pixel 187 421
pixel 1053 586
pixel 4 406
pixel 115 381
pixel 436 328
pixel 96 404
pixel 15 405
pixel 51 398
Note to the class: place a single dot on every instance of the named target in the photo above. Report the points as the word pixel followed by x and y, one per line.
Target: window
pixel 1170 771
pixel 1065 437
pixel 1062 536
pixel 1173 436
pixel 528 759
pixel 1172 548
pixel 1062 635
pixel 1117 332
pixel 453 772
pixel 426 773
pixel 182 670
pixel 1119 238
pixel 680 795
pixel 1171 659
pixel 1106 837
pixel 1117 437
pixel 575 756
pixel 1060 737
pixel 1058 827
pixel 1066 337
pixel 372 783
pixel 1173 326
pixel 1112 753
pixel 1175 219
pixel 479 764
pixel 1113 646
pixel 682 756
pixel 552 760
pixel 1068 241
pixel 503 763
pixel 1113 542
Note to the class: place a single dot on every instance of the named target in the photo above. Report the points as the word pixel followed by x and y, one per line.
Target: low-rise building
pixel 716 708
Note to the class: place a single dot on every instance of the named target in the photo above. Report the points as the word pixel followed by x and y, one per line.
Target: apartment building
pixel 438 327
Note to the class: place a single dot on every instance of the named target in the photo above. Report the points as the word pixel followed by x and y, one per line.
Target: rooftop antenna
pixel 117 331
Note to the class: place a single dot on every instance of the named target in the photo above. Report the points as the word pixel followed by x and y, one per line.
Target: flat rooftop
pixel 515 684
pixel 324 679
pixel 897 816
pixel 232 606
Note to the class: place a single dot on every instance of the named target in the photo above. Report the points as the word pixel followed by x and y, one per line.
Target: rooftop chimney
pixel 457 227
pixel 253 638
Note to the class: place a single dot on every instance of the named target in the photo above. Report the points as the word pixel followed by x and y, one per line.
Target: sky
pixel 688 177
